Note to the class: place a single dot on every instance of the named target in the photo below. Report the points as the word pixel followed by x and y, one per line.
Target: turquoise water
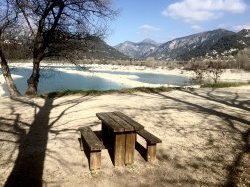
pixel 52 79
pixel 153 78
pixel 55 80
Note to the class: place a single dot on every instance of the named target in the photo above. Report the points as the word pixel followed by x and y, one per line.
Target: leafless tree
pixel 199 68
pixel 8 17
pixel 215 69
pixel 243 59
pixel 202 69
pixel 53 21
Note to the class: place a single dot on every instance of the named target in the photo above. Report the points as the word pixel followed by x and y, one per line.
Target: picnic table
pixel 119 135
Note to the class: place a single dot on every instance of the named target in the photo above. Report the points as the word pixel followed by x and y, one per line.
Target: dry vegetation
pixel 241 61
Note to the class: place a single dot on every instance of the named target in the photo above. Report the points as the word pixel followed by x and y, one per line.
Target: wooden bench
pixel 151 144
pixel 92 147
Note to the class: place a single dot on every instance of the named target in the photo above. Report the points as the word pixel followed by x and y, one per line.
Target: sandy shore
pixel 205 139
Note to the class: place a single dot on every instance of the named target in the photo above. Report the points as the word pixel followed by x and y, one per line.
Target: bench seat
pixel 151 140
pixel 92 147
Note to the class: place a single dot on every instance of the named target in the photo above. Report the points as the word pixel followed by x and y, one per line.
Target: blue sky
pixel 163 20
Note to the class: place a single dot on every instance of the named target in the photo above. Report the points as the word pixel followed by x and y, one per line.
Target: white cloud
pixel 224 26
pixel 197 10
pixel 147 29
pixel 240 27
pixel 197 28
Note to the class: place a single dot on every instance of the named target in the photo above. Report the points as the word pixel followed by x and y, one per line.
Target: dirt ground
pixel 205 139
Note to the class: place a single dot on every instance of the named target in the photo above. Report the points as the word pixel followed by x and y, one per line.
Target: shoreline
pixel 126 81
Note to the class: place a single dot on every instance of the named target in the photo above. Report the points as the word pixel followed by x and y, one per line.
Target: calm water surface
pixel 154 78
pixel 52 79
pixel 55 80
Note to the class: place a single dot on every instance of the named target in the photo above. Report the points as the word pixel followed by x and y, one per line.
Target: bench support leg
pixel 151 152
pixel 81 144
pixel 95 160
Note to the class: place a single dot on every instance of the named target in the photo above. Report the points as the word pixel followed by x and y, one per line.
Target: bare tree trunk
pixel 13 91
pixel 39 48
pixel 34 79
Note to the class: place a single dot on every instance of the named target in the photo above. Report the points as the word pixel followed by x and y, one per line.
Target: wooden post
pixel 130 148
pixel 119 149
pixel 95 160
pixel 104 134
pixel 151 152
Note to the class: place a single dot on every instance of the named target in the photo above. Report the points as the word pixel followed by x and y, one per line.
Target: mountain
pixel 244 33
pixel 190 46
pixel 211 44
pixel 231 44
pixel 91 47
pixel 137 50
pixel 95 48
pixel 226 45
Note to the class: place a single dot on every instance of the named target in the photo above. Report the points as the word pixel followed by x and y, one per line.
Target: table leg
pixel 119 149
pixel 104 133
pixel 106 136
pixel 130 148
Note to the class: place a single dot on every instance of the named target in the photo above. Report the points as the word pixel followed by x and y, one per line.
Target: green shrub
pixel 96 92
pixel 224 84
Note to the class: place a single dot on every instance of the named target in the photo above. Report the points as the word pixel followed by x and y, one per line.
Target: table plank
pixel 109 122
pixel 127 127
pixel 137 126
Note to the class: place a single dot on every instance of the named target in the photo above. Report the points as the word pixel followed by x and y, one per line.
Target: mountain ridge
pixel 195 45
pixel 137 49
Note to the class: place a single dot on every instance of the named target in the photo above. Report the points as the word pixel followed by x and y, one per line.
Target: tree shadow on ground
pixel 232 122
pixel 233 101
pixel 29 164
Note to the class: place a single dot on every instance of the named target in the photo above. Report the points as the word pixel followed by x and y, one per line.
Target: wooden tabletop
pixel 119 122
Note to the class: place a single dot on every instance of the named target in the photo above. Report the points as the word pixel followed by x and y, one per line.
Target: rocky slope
pixel 137 50
pixel 212 44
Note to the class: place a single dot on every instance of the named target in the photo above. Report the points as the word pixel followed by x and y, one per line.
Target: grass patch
pixel 224 84
pixel 96 92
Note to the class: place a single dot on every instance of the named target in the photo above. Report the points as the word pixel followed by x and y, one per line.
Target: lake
pixel 74 78
pixel 153 78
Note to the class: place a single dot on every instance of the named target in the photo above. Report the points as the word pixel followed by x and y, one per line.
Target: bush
pixel 210 69
pixel 224 84
pixel 243 59
pixel 199 68
pixel 215 69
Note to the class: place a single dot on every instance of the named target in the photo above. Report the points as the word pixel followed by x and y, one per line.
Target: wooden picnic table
pixel 119 136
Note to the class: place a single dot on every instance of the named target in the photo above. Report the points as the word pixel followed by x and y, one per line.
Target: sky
pixel 164 20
